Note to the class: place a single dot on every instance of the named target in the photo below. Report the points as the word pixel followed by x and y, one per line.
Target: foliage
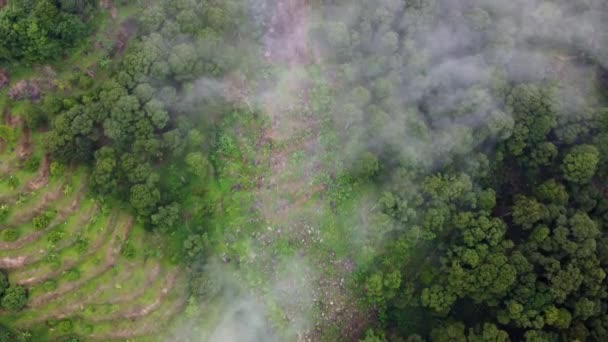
pixel 14 298
pixel 41 30
pixel 43 220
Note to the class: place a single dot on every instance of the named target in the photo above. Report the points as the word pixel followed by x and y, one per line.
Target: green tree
pixel 580 163
pixel 14 298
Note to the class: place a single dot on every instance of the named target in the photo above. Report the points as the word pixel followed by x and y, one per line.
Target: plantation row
pixel 75 268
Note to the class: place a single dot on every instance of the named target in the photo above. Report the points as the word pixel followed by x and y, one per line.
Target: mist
pixel 417 83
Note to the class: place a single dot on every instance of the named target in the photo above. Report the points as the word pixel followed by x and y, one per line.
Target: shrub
pixel 5 334
pixel 32 163
pixel 72 275
pixel 56 169
pixel 65 326
pixel 128 250
pixel 13 182
pixel 15 298
pixel 56 235
pixel 4 211
pixel 10 235
pixel 49 285
pixel 44 220
pixel 3 283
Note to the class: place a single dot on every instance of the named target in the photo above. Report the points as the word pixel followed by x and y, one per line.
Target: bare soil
pixel 5 77
pixel 24 148
pixel 287 37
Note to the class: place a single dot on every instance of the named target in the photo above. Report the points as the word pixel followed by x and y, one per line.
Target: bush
pixel 4 211
pixel 72 275
pixel 32 163
pixel 49 285
pixel 56 235
pixel 65 326
pixel 6 335
pixel 44 220
pixel 56 169
pixel 15 298
pixel 128 250
pixel 10 235
pixel 3 283
pixel 13 182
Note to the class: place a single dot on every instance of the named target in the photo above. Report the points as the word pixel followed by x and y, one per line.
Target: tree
pixel 34 33
pixel 486 333
pixel 14 298
pixel 144 198
pixel 197 164
pixel 157 114
pixel 553 192
pixel 449 332
pixel 527 211
pixel 438 298
pixel 371 336
pixel 182 62
pixel 580 163
pixel 166 217
pixel 104 176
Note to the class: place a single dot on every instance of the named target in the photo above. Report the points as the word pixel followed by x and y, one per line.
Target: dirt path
pixel 286 195
pixel 287 37
pixel 24 147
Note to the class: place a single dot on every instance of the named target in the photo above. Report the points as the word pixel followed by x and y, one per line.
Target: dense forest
pixel 293 170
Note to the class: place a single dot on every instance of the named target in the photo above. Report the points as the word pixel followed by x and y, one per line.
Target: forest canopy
pixel 386 170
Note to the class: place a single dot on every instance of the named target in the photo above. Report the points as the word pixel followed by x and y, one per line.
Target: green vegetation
pixel 387 170
pixel 35 31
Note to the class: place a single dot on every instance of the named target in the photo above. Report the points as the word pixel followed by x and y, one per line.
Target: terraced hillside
pixel 89 268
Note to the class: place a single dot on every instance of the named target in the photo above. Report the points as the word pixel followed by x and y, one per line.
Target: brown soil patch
pixel 287 38
pixel 24 148
pixel 12 262
pixel 5 77
pixel 25 90
pixel 10 120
